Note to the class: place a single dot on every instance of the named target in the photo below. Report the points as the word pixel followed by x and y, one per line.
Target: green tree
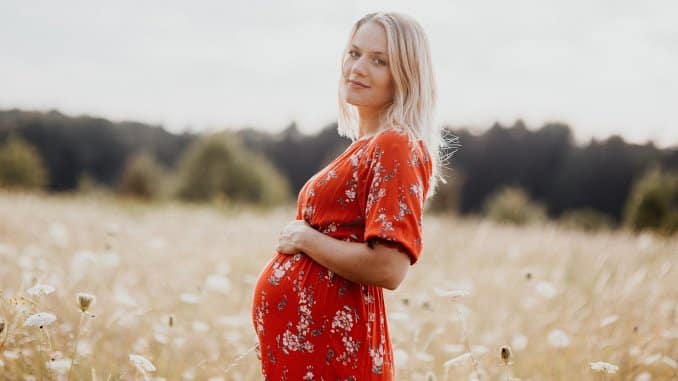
pixel 219 166
pixel 653 203
pixel 21 165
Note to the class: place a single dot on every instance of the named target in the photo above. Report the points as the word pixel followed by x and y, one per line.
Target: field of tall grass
pixel 103 289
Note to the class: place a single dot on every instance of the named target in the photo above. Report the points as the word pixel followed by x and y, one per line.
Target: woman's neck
pixel 368 122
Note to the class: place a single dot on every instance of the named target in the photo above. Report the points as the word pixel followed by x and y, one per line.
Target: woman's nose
pixel 359 67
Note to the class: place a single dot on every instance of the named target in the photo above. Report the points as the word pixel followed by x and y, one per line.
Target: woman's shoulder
pixel 393 137
pixel 400 145
pixel 398 141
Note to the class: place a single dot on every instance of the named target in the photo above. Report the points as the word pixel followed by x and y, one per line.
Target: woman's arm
pixel 356 261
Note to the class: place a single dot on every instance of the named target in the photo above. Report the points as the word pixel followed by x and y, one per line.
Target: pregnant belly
pixel 299 290
pixel 285 276
pixel 305 314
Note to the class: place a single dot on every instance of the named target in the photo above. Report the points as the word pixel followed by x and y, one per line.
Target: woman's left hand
pixel 291 237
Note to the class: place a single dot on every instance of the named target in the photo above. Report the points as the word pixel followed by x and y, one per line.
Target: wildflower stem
pixel 74 353
pixel 238 358
pixel 466 341
pixel 42 354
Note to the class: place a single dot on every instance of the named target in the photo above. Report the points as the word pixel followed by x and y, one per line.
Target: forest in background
pixel 544 162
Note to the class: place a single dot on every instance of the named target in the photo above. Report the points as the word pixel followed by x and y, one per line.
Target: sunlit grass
pixel 173 285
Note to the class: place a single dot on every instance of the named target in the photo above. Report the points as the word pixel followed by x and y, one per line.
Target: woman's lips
pixel 357 85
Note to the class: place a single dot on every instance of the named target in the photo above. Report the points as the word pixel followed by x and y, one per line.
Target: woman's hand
pixel 292 236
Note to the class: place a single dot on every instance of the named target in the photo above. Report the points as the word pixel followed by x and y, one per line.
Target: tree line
pixel 544 163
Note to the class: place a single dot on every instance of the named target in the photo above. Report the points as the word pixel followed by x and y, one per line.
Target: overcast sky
pixel 602 66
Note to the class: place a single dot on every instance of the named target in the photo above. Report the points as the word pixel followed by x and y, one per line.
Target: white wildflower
pixel 602 366
pixel 141 363
pixel 479 349
pixel 451 293
pixel 608 320
pixel 651 359
pixel 122 296
pixel 513 252
pixel 161 338
pixel 59 234
pixel 40 289
pixel 218 283
pixel 644 376
pixel 200 326
pixel 519 342
pixel 670 362
pixel 40 319
pixel 157 243
pixel 399 316
pixel 454 348
pixel 423 356
pixel 112 228
pixel 189 298
pixel 546 289
pixel 109 259
pixel 11 355
pixel 645 241
pixel 189 374
pixel 670 333
pixel 401 358
pixel 634 351
pixel 59 366
pixel 84 348
pixel 223 268
pixel 559 339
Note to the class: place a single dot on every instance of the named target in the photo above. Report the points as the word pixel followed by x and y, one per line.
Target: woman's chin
pixel 356 102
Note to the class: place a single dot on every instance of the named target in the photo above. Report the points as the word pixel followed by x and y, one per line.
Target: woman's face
pixel 366 75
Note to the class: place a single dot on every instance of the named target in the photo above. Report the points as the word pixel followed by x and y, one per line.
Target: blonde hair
pixel 413 106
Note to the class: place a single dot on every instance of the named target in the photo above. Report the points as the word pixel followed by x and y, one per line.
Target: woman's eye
pixel 353 53
pixel 379 61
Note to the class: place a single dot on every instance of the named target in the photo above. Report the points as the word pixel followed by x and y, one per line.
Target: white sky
pixel 602 66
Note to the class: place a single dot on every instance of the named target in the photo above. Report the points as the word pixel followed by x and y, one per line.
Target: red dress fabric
pixel 313 324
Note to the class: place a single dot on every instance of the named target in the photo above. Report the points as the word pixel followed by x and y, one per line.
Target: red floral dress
pixel 313 324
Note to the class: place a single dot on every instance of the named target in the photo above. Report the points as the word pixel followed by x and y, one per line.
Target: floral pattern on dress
pixel 312 324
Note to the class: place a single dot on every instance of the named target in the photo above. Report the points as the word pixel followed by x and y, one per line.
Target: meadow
pixel 173 283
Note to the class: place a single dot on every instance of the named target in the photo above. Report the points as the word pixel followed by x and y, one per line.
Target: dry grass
pixel 609 297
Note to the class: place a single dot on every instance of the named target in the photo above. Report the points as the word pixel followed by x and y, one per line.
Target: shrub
pixel 21 165
pixel 141 177
pixel 219 167
pixel 512 205
pixel 586 219
pixel 653 203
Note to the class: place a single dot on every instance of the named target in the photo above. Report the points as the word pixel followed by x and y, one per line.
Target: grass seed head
pixel 506 354
pixel 85 300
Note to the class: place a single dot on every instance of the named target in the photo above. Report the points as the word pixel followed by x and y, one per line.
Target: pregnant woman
pixel 318 306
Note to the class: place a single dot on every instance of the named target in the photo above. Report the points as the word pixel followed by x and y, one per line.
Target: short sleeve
pixel 398 176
